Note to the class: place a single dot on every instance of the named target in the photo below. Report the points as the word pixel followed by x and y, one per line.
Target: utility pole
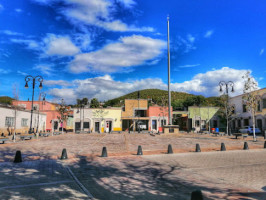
pixel 169 92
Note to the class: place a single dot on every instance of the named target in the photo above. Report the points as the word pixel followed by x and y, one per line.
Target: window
pixel 35 107
pixel 24 122
pixel 140 113
pixel 86 125
pixel 197 123
pixel 163 122
pixel 233 110
pixel 246 122
pixel 258 106
pixel 215 123
pixel 244 108
pixel 264 103
pixel 10 121
pixel 239 123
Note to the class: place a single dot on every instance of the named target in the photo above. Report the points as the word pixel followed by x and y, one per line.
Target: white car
pixel 249 130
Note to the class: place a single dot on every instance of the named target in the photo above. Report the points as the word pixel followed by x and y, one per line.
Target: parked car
pixel 249 130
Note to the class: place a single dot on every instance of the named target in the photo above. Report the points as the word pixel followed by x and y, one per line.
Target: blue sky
pixel 107 48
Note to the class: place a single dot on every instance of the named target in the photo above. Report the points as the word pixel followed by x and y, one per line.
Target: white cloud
pixel 95 13
pixel 45 69
pixel 191 38
pixel 30 44
pixel 22 73
pixel 128 52
pixel 18 10
pixel 186 45
pixel 207 83
pixel 1 7
pixel 208 34
pixel 189 66
pixel 59 46
pixel 105 87
pixel 50 83
pixel 261 51
pixel 11 33
pixel 4 71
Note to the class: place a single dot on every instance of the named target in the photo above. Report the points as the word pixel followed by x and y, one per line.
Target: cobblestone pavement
pixel 118 144
pixel 220 175
pixel 238 174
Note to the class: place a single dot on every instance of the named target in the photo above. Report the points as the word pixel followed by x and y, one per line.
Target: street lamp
pixel 227 85
pixel 34 79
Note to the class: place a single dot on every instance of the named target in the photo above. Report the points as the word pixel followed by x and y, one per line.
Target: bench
pixel 240 134
pixel 56 133
pixel 44 134
pixel 3 139
pixel 26 136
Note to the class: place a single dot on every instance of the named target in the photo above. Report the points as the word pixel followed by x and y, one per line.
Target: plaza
pixel 231 174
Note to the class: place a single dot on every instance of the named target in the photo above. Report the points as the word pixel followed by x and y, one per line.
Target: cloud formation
pixel 97 13
pixel 105 87
pixel 208 34
pixel 127 52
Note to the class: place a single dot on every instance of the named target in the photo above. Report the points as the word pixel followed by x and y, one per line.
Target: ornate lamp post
pixel 227 85
pixel 34 79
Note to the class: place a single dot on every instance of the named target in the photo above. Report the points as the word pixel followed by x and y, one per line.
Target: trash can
pixel 212 130
pixel 216 130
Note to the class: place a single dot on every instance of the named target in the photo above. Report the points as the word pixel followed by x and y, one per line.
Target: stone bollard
pixel 18 157
pixel 265 145
pixel 104 152
pixel 139 151
pixel 196 195
pixel 223 147
pixel 64 155
pixel 245 146
pixel 198 148
pixel 170 150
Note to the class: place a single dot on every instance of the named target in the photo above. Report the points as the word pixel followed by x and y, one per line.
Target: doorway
pixel 55 125
pixel 97 127
pixel 259 124
pixel 77 126
pixel 154 125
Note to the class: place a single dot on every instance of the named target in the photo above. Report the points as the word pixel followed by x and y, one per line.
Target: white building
pixel 10 116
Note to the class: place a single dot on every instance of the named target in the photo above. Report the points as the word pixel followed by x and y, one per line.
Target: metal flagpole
pixel 169 92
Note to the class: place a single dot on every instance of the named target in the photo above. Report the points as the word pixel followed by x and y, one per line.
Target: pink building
pixel 158 116
pixel 52 121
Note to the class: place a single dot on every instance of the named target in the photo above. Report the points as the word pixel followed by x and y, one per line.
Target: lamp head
pixel 232 89
pixel 26 85
pixel 221 89
pixel 40 86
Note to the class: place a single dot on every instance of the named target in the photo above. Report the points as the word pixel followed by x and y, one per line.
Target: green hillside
pixel 6 100
pixel 160 97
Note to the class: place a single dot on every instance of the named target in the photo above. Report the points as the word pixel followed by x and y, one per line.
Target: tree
pixel 250 98
pixel 63 110
pixel 227 111
pixel 94 103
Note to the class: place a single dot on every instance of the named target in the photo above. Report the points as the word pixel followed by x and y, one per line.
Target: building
pixel 13 117
pixel 102 120
pixel 158 117
pixel 50 109
pixel 203 118
pixel 135 115
pixel 242 117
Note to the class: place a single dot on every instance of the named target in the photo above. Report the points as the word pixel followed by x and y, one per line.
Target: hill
pixel 179 100
pixel 6 100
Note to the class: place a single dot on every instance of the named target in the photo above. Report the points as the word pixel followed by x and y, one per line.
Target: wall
pixel 9 112
pixel 132 104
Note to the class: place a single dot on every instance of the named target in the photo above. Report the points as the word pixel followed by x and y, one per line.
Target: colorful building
pixel 102 120
pixel 158 117
pixel 135 115
pixel 50 109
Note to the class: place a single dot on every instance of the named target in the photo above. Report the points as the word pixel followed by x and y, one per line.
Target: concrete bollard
pixel 170 150
pixel 245 146
pixel 104 152
pixel 139 153
pixel 265 145
pixel 18 157
pixel 64 155
pixel 196 195
pixel 223 147
pixel 198 148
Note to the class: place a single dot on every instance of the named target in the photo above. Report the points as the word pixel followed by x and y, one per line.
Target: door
pixel 110 126
pixel 259 124
pixel 97 127
pixel 154 125
pixel 55 125
pixel 77 126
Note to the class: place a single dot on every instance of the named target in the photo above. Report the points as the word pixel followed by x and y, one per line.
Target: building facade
pixel 242 116
pixel 50 109
pixel 14 119
pixel 158 117
pixel 101 120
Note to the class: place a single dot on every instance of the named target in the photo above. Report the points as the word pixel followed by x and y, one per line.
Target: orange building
pixel 50 109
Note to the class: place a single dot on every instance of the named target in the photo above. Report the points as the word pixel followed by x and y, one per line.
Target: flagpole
pixel 169 92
